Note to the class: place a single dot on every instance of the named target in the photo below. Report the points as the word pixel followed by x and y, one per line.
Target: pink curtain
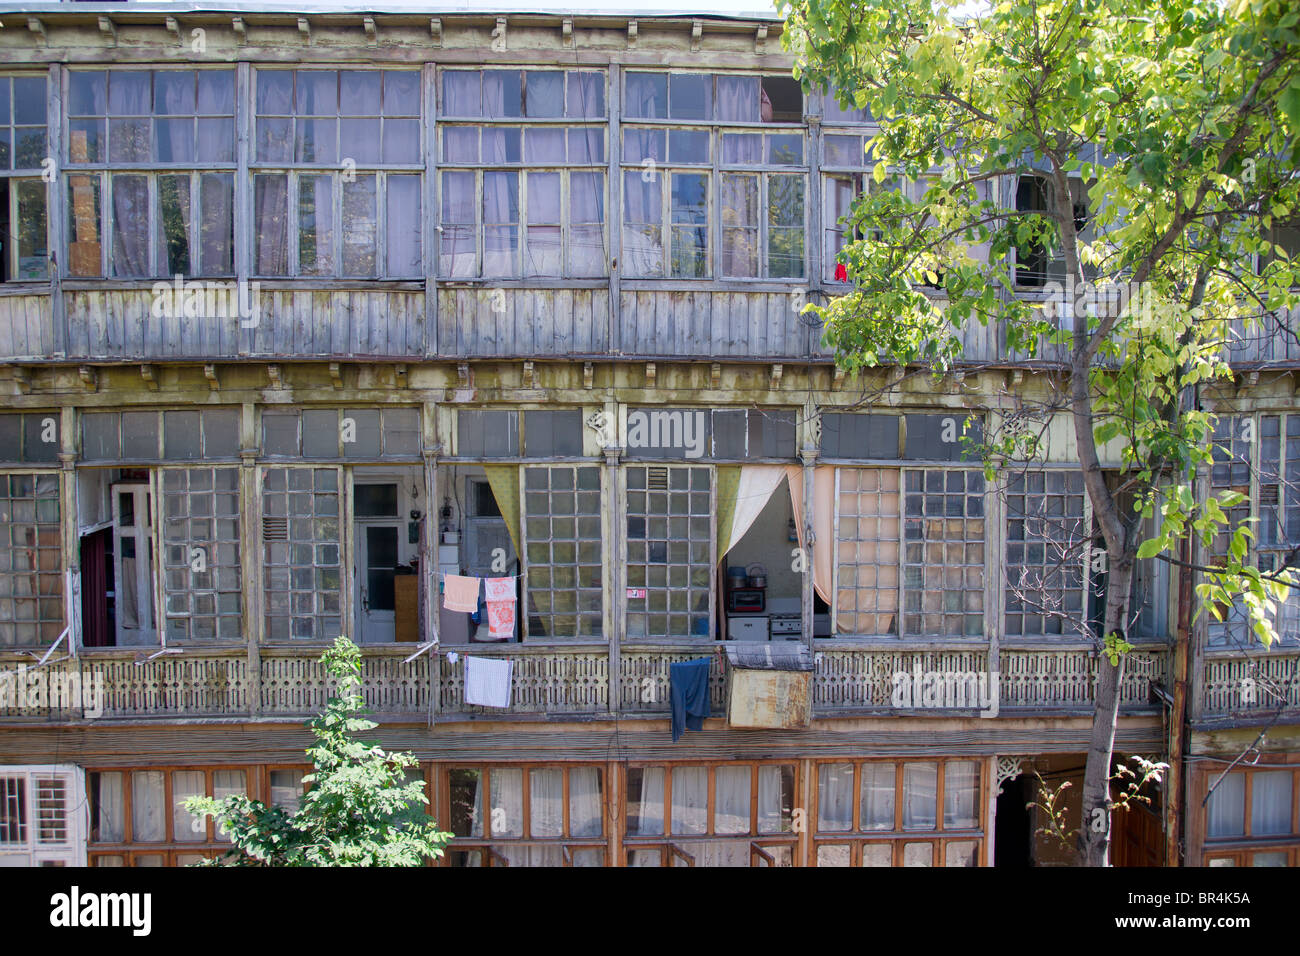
pixel 823 520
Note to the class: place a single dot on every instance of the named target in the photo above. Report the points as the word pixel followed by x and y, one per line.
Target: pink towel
pixel 499 589
pixel 461 593
pixel 501 620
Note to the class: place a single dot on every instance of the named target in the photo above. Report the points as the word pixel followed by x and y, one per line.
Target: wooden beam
pixel 273 373
pixel 23 379
pixel 715 375
pixel 435 31
pixel 650 373
pixel 241 31
pixel 368 24
pixel 36 26
pixel 777 371
pixel 210 373
pixel 588 375
pixel 108 29
pixel 399 373
pixel 336 374
pixel 631 33
pixel 304 28
pixel 566 32
pixel 529 380
pixel 150 379
pixel 697 32
pixel 760 39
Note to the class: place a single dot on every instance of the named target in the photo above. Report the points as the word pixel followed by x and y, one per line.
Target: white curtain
pixel 877 796
pixel 823 521
pixel 771 809
pixel 147 819
pixel 920 783
pixel 835 796
pixel 716 853
pixel 646 95
pixel 1227 810
pixel 111 822
pixel 757 482
pixel 650 808
pixel 187 828
pixel 690 799
pixel 739 99
pixel 643 249
pixel 461 93
pixel 457 243
pixel 500 222
pixel 960 786
pixel 587 255
pixel 1270 803
pixel 731 800
pixel 546 802
pixel 271 215
pixel 585 807
pixel 545 254
pixel 507 814
pixel 532 855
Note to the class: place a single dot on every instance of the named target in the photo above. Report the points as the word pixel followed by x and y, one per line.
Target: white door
pixel 133 565
pixel 377 556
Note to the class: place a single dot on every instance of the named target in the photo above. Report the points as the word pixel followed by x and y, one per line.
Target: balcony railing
pixel 560 681
pixel 1249 685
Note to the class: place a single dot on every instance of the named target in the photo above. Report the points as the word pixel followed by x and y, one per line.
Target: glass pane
pixel 731 800
pixel 148 814
pixel 833 854
pixel 507 787
pixel 316 225
pixel 186 827
pixel 646 95
pixel 919 798
pixel 690 96
pixel 645 801
pixel 130 197
pixel 586 806
pixel 775 798
pixel 217 227
pixel 33 244
pixel 359 227
pixel 835 797
pixel 1227 807
pixel 466 803
pixel 877 854
pixel 960 790
pixel 174 225
pixel 545 91
pixel 286 789
pixel 403 226
pixel 84 229
pixel 918 854
pixel 690 799
pixel 546 802
pixel 270 223
pixel 1270 803
pixel 877 798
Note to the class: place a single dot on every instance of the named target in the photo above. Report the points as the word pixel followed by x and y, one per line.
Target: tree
pixel 360 809
pixel 1141 155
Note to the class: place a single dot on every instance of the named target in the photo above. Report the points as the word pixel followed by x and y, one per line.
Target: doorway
pixel 386 548
pixel 1013 824
pixel 133 565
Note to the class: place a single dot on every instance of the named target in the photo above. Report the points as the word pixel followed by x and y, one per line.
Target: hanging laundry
pixel 501 601
pixel 487 681
pixel 688 691
pixel 460 593
pixel 841 273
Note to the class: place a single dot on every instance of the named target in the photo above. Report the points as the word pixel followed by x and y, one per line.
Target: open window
pixel 1038 264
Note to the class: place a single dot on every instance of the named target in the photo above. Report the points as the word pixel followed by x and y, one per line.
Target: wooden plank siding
pixel 26 327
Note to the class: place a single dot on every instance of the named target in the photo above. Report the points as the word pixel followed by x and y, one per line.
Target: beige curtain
pixel 744 501
pixel 823 521
pixel 504 480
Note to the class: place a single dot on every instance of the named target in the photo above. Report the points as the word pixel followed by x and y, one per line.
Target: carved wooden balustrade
pixel 576 680
pixel 1251 683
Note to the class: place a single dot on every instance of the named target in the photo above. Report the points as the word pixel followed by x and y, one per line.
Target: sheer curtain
pixel 500 223
pixel 835 796
pixel 650 808
pixel 461 93
pixel 690 799
pixel 271 205
pixel 130 225
pixel 1270 803
pixel 111 821
pixel 643 247
pixel 647 95
pixel 457 244
pixel 960 786
pixel 739 99
pixel 507 817
pixel 147 820
pixel 772 786
pixel 546 802
pixel 920 785
pixel 731 800
pixel 216 228
pixel 587 255
pixel 877 811
pixel 585 807
pixel 186 827
pixel 1227 810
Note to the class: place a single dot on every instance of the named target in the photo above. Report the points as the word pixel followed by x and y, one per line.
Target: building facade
pixel 302 311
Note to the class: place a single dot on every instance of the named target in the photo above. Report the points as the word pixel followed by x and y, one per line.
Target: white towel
pixel 487 681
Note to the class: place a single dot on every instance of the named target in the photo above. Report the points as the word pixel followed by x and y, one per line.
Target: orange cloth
pixel 460 593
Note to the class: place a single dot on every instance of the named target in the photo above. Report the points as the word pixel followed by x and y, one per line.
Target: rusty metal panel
pixel 777 700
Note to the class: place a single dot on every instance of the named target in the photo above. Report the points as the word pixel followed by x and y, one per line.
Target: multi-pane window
pixel 177 435
pixel 1248 810
pixel 721 815
pixel 526 816
pixel 29 437
pixel 1271 486
pixel 23 151
pixel 917 813
pixel 868 559
pixel 943 553
pixel 301 542
pixel 337 187
pixel 562 542
pixel 201 573
pixel 670 215
pixel 31 575
pixel 154 154
pixel 361 433
pixel 529 196
pixel 844 177
pixel 1044 553
pixel 669 552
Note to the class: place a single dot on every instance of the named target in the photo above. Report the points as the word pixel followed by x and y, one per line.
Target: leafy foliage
pixel 359 810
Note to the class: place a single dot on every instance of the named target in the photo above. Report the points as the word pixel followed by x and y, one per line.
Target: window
pixel 562 542
pixel 526 816
pixel 720 815
pixel 1253 806
pixel 201 572
pixel 23 151
pixel 338 433
pixel 31 560
pixel 867 591
pixel 206 434
pixel 487 434
pixel 668 178
pixel 1040 263
pixel 30 437
pixel 159 147
pixel 39 820
pixel 310 217
pixel 301 551
pixel 669 552
pixel 915 813
pixel 1044 553
pixel 544 220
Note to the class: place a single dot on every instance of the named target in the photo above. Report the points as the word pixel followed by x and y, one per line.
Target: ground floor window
pixel 525 816
pixel 1252 816
pixel 887 813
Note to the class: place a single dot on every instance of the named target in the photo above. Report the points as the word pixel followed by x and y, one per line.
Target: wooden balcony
pixel 556 681
pixel 1249 686
pixel 645 320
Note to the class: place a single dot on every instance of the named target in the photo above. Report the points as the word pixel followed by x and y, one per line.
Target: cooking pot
pixel 757 576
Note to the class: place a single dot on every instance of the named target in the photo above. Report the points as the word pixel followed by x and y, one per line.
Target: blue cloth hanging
pixel 688 683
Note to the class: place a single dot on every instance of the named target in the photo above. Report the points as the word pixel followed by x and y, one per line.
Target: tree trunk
pixel 1095 819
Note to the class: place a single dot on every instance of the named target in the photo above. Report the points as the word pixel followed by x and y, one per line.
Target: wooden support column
pixel 69 512
pixel 616 577
pixel 613 212
pixel 250 552
pixel 430 561
pixel 243 211
pixel 808 454
pixel 432 212
pixel 56 217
